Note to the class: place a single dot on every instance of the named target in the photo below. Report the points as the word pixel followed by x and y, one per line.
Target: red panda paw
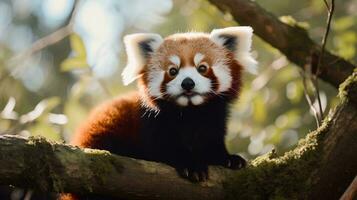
pixel 194 173
pixel 235 162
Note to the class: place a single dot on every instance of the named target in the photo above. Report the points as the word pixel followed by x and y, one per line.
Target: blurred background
pixel 60 58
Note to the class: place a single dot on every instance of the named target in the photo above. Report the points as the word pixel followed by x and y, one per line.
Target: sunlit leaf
pixel 288 19
pixel 346 44
pixel 77 45
pixel 79 60
pixel 8 112
pixel 41 108
pixel 74 63
pixel 343 23
pixel 59 119
pixel 51 103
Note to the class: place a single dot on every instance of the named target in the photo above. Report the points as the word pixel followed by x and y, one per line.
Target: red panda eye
pixel 202 69
pixel 173 71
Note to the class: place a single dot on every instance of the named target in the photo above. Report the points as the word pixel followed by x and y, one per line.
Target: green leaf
pixel 74 63
pixel 51 103
pixel 344 23
pixel 288 19
pixel 77 45
pixel 79 60
pixel 43 107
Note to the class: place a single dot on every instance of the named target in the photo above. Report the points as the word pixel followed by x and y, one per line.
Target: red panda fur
pixel 118 118
pixel 141 126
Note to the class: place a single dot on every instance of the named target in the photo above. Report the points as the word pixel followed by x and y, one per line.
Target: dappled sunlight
pixel 83 68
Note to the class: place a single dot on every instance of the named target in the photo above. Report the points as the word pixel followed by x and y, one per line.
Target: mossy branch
pixel 321 166
pixel 292 40
pixel 46 166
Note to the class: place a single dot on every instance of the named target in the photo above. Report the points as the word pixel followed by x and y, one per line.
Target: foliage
pixel 79 60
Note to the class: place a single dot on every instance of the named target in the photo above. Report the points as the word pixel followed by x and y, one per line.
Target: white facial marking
pixel 224 77
pixel 155 79
pixel 175 60
pixel 197 100
pixel 182 100
pixel 198 58
pixel 202 84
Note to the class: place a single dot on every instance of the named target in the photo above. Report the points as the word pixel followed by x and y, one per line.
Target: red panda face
pixel 189 68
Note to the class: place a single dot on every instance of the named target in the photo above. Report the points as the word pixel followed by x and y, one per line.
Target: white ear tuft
pixel 138 47
pixel 238 40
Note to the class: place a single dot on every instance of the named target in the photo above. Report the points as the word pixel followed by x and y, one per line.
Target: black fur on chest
pixel 175 131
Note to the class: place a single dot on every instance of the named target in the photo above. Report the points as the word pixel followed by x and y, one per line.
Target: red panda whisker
pixel 217 94
pixel 235 90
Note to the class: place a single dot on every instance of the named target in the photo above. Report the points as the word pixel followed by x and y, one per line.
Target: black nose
pixel 187 84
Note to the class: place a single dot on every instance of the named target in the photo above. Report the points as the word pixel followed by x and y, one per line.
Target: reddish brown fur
pixel 120 115
pixel 186 48
pixel 236 71
pixel 118 119
pixel 114 117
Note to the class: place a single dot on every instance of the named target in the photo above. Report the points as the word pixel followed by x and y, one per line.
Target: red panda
pixel 186 83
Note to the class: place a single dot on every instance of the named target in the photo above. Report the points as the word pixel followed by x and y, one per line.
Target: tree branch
pixel 291 40
pixel 46 166
pixel 320 158
pixel 50 39
pixel 351 191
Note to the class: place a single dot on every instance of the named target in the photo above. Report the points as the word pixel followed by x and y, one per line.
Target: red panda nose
pixel 187 84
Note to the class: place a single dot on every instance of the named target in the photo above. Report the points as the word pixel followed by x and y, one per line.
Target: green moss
pixel 54 159
pixel 349 84
pixel 37 140
pixel 288 176
pixel 285 177
pixel 94 164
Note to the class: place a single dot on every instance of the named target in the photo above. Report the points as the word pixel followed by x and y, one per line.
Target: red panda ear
pixel 238 40
pixel 138 48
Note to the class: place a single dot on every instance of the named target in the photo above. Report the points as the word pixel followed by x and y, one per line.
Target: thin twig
pixel 327 31
pixel 331 9
pixel 326 4
pixel 315 82
pixel 48 40
pixel 309 99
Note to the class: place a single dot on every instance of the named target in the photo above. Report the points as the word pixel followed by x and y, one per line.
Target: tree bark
pixel 47 166
pixel 291 40
pixel 320 167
